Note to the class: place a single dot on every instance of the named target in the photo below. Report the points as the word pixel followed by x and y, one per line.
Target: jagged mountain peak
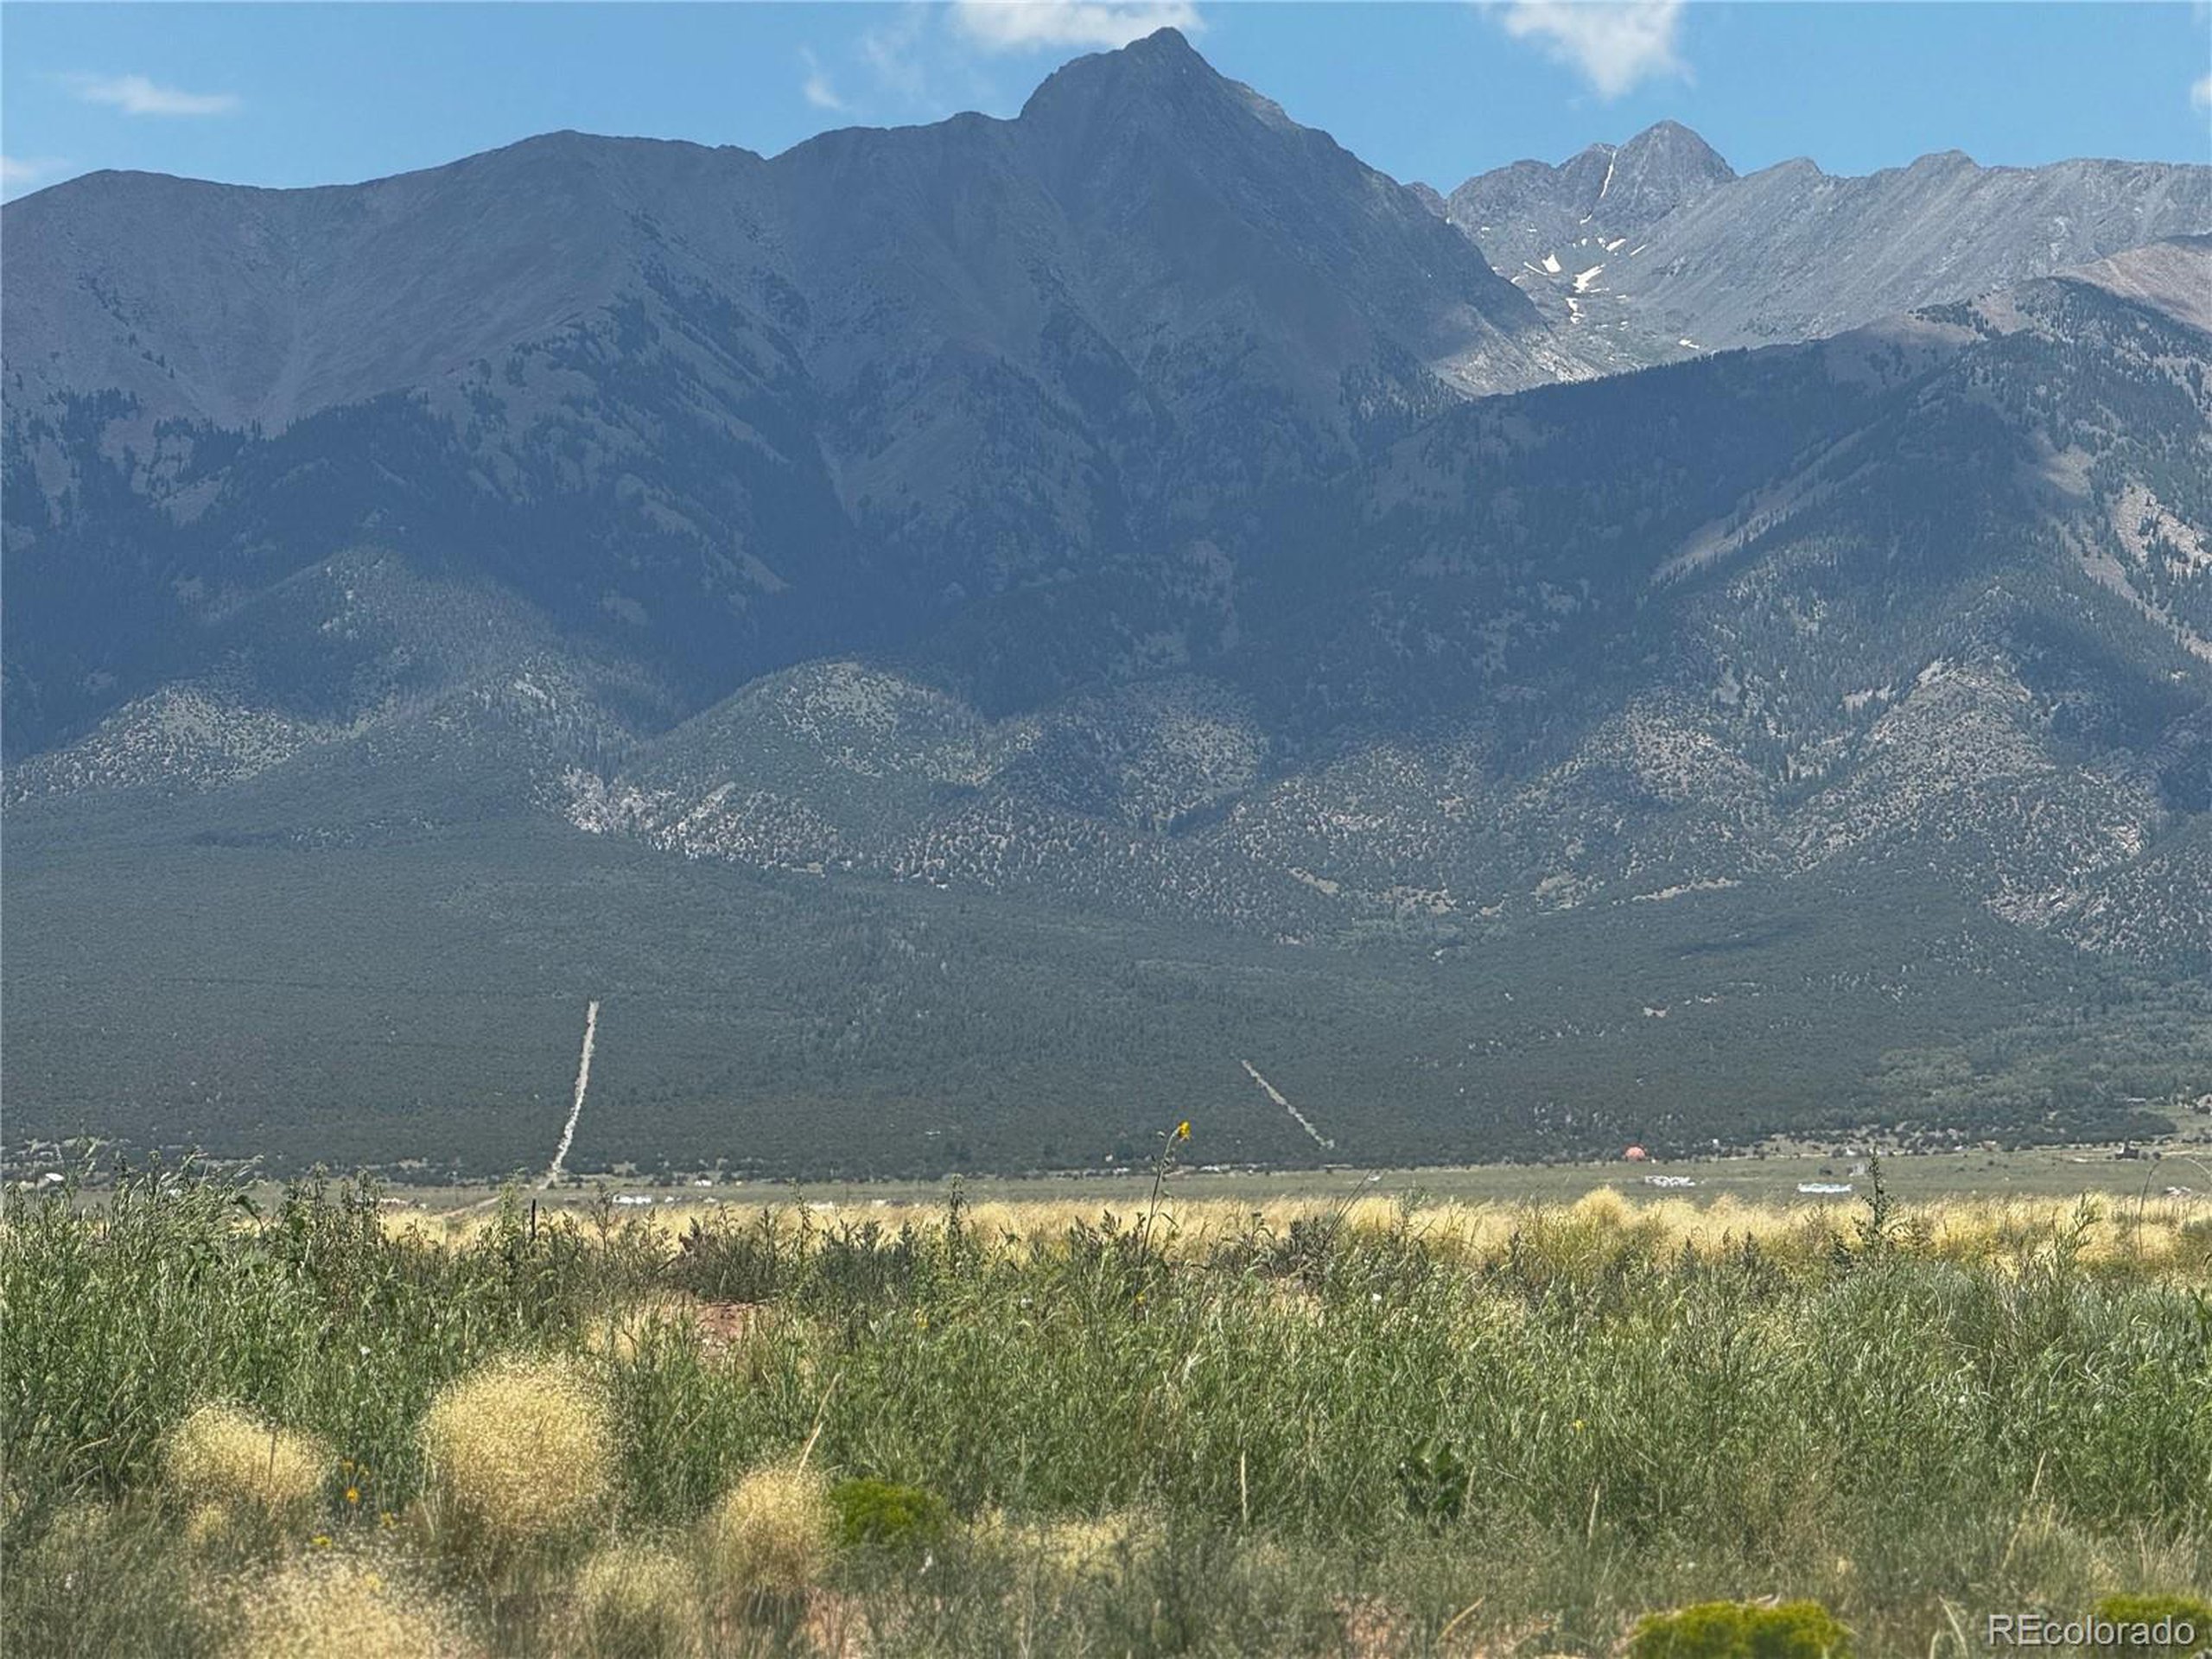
pixel 1160 83
pixel 1665 148
pixel 1670 134
pixel 1670 146
pixel 1528 209
pixel 1163 65
pixel 1165 47
pixel 1658 171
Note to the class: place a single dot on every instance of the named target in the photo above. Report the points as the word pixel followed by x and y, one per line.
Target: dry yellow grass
pixel 2168 1236
pixel 634 1599
pixel 331 1605
pixel 772 1533
pixel 231 1464
pixel 519 1454
pixel 2160 1236
pixel 1102 1546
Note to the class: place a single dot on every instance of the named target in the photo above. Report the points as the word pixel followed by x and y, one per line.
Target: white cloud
pixel 21 172
pixel 136 95
pixel 892 56
pixel 1022 25
pixel 1614 43
pixel 2200 93
pixel 816 88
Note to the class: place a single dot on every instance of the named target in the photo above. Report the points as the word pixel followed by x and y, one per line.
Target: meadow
pixel 315 1422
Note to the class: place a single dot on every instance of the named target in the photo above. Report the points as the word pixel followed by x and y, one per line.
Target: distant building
pixel 1637 1155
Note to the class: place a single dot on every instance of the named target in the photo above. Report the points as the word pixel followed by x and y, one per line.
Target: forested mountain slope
pixel 1932 591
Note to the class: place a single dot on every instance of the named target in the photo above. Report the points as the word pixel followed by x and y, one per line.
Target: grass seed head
pixel 519 1454
pixel 1602 1207
pixel 772 1533
pixel 1102 1546
pixel 209 1527
pixel 336 1606
pixel 634 1599
pixel 227 1458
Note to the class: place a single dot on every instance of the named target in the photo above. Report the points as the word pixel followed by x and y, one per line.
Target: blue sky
pixel 282 94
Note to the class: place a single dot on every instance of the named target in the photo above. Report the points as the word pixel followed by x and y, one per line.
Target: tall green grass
pixel 1337 1435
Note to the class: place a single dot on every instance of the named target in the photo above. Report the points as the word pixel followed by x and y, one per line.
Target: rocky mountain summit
pixel 1521 213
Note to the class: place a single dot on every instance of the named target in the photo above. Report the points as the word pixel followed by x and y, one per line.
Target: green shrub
pixel 879 1512
pixel 1433 1481
pixel 2188 1620
pixel 1741 1630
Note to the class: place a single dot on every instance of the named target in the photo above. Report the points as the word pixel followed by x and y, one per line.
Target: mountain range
pixel 1655 248
pixel 970 638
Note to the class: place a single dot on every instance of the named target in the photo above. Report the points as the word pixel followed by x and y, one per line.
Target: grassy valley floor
pixel 2179 1166
pixel 1357 1425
